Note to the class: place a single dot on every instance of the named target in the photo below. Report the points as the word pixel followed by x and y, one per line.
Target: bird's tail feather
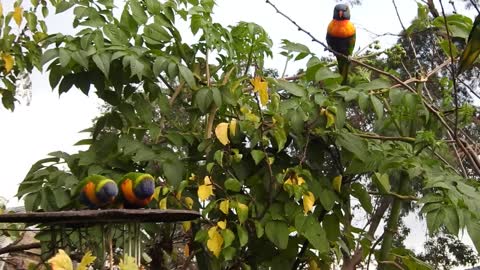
pixel 343 68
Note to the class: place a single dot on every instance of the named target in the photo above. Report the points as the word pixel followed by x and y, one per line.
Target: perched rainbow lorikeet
pixel 341 35
pixel 136 189
pixel 97 191
pixel 472 49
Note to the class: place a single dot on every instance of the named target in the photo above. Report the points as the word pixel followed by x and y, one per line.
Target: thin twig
pixel 410 42
pixel 452 71
pixel 475 6
pixel 386 138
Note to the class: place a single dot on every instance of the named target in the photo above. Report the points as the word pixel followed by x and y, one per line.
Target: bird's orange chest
pixel 127 190
pixel 89 190
pixel 341 29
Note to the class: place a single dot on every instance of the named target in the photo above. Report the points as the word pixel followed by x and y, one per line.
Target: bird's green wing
pixel 472 49
pixel 344 64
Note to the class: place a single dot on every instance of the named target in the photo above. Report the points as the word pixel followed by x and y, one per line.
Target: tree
pixel 278 167
pixel 445 252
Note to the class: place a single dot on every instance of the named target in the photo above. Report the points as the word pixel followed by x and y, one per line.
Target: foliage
pixel 446 251
pixel 277 167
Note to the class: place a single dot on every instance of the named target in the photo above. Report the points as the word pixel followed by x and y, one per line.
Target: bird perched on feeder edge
pixel 472 49
pixel 97 191
pixel 136 189
pixel 341 34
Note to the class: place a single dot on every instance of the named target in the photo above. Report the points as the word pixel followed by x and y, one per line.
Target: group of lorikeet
pixel 134 190
pixel 341 36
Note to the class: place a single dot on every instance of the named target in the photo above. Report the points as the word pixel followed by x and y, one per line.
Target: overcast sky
pixel 52 123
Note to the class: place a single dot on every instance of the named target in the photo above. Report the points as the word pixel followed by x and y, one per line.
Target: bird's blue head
pixel 108 192
pixel 144 186
pixel 341 12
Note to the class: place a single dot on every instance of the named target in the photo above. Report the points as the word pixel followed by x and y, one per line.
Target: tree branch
pixel 16 248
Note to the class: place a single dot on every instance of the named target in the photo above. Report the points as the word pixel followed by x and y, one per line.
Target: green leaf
pixel 434 220
pixel 173 170
pixel 242 235
pixel 374 85
pixel 103 62
pixel 309 227
pixel 156 34
pixel 325 73
pixel 359 192
pixel 187 75
pixel 277 232
pixel 473 228
pixel 353 144
pixel 327 199
pixel 451 220
pixel 331 223
pixel 377 106
pixel 382 182
pixel 294 47
pixel 229 253
pixel 257 156
pixel 203 99
pixel 115 34
pixel 217 96
pixel 138 12
pixel 64 56
pixel 292 88
pixel 233 184
pixel 48 55
pixel 228 237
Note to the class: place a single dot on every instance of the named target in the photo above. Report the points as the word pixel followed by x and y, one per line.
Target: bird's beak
pixel 340 14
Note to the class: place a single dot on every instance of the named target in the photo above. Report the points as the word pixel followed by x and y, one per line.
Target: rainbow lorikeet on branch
pixel 472 49
pixel 341 35
pixel 97 191
pixel 136 189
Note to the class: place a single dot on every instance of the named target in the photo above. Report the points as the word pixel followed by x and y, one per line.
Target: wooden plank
pixel 100 216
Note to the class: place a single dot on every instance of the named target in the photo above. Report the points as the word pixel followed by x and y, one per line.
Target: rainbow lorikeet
pixel 341 35
pixel 472 49
pixel 136 189
pixel 97 191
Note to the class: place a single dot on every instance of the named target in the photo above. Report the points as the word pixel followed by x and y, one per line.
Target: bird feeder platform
pixel 103 216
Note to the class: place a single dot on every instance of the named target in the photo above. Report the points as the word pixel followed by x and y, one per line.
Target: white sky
pixel 52 123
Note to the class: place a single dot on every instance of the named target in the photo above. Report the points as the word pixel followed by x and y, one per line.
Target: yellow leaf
pixel 163 203
pixel 242 212
pixel 17 15
pixel 8 62
pixel 61 261
pixel 215 241
pixel 224 206
pixel 294 181
pixel 232 127
pixel 186 225
pixel 221 131
pixel 330 118
pixel 1 10
pixel 300 180
pixel 178 195
pixel 222 224
pixel 308 201
pixel 260 86
pixel 188 202
pixel 87 259
pixel 312 265
pixel 186 250
pixel 337 183
pixel 156 193
pixel 205 190
pixel 128 264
